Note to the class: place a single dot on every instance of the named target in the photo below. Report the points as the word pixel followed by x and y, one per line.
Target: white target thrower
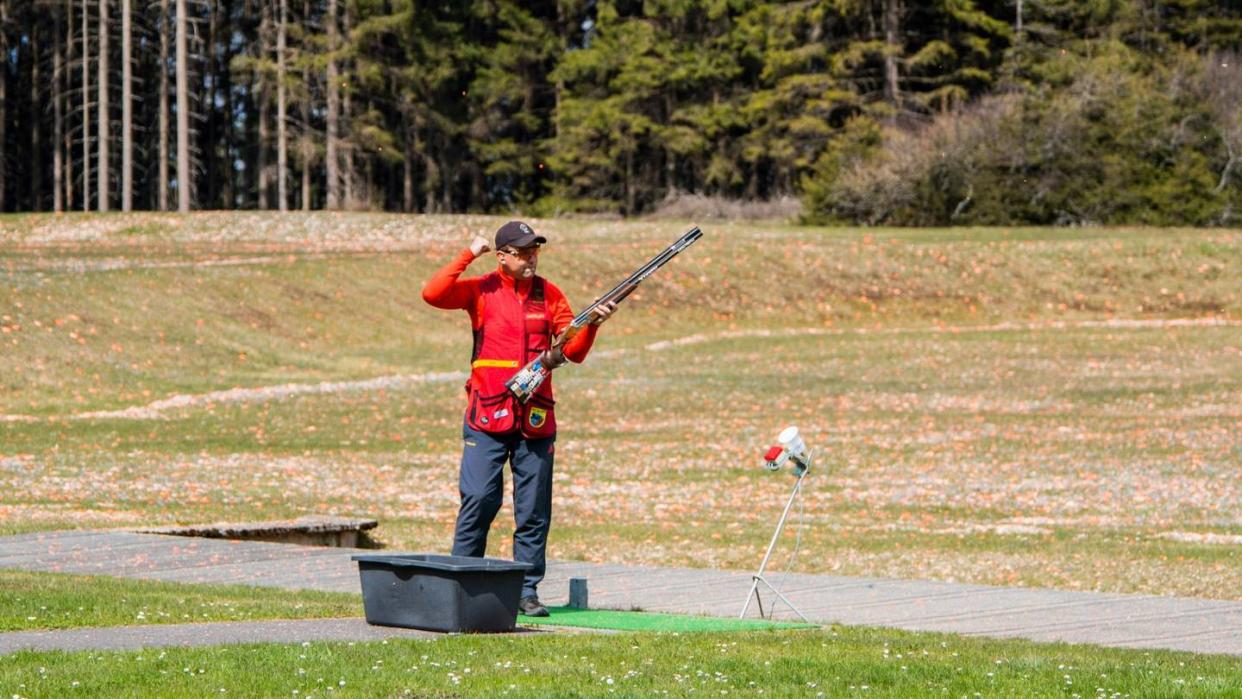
pixel 791 450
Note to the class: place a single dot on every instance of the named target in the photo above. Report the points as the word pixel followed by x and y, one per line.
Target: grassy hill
pixel 1032 406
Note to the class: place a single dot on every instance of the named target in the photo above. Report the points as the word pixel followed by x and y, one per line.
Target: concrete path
pixel 1135 621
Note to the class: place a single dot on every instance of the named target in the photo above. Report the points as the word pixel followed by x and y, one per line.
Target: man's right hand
pixel 479 245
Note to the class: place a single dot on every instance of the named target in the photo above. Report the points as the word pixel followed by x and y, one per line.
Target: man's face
pixel 519 263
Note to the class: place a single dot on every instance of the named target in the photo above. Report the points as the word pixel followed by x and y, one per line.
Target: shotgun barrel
pixel 620 291
pixel 527 380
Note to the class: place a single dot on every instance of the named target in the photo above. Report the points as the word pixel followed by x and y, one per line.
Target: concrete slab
pixel 311 530
pixel 48 544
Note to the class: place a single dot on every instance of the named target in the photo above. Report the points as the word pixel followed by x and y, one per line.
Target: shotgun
pixel 524 383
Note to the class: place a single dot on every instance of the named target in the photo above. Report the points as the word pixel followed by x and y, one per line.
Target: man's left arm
pixel 579 346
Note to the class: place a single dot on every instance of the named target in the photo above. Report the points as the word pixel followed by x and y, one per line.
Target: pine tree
pixel 512 103
pixel 607 154
pixel 801 99
pixel 377 53
pixel 651 106
pixel 442 62
pixel 920 57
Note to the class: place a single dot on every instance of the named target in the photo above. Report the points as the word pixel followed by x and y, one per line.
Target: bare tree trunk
pixel 127 113
pixel 333 116
pixel 892 44
pixel 306 145
pixel 347 115
pixel 162 168
pixel 282 137
pixel 66 134
pixel 86 108
pixel 58 124
pixel 183 113
pixel 102 115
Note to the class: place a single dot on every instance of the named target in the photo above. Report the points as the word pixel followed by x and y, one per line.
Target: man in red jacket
pixel 515 314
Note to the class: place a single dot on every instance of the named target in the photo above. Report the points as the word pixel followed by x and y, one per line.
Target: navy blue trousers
pixel 482 484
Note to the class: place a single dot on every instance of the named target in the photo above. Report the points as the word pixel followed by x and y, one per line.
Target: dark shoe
pixel 531 606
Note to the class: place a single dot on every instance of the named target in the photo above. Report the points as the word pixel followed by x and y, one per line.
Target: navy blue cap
pixel 518 235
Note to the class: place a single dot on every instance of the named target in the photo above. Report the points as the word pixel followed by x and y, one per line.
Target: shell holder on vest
pixel 511 332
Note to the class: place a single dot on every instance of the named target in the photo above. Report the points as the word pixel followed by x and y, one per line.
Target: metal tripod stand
pixel 758 578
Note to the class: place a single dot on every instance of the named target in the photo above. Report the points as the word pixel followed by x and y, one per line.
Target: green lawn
pixel 38 601
pixel 836 662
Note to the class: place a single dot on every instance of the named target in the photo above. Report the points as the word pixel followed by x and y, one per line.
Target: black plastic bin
pixel 441 593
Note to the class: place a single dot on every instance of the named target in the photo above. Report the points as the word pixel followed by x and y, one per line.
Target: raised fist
pixel 480 245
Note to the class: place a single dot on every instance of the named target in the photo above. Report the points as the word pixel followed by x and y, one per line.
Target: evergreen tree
pixel 620 105
pixel 801 100
pixel 513 101
pixel 442 62
pixel 648 104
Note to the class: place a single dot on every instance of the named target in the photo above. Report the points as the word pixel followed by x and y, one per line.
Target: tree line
pixel 616 106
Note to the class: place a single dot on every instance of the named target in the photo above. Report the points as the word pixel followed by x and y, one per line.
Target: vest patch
pixel 537 416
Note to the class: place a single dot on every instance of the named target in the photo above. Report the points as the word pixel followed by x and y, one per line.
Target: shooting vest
pixel 510 333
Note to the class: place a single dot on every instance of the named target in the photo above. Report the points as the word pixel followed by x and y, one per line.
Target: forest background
pixel 876 112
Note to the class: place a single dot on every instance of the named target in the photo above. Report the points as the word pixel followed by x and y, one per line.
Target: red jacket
pixel 511 326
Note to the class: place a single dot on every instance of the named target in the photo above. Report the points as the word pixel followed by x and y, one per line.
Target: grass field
pixel 34 601
pixel 1037 407
pixel 837 662
pixel 833 661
